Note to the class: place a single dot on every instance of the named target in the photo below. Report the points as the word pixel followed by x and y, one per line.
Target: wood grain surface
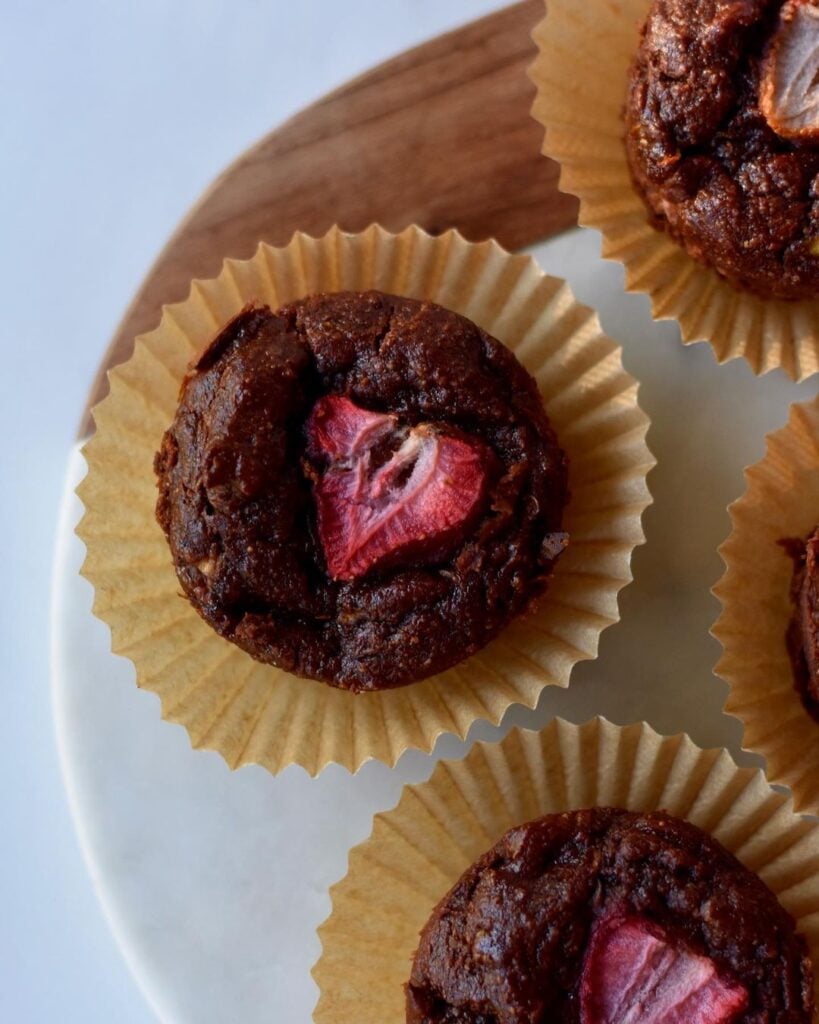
pixel 440 136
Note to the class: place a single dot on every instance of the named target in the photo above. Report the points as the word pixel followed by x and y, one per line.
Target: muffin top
pixel 605 916
pixel 722 136
pixel 803 630
pixel 360 488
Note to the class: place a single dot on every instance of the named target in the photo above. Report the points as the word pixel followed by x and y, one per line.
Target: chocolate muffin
pixel 360 488
pixel 605 916
pixel 722 136
pixel 803 631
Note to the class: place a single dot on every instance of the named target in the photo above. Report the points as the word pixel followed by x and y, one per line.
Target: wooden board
pixel 440 136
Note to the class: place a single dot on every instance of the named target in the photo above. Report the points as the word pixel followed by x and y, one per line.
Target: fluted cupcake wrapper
pixel 781 501
pixel 251 712
pixel 418 850
pixel 585 51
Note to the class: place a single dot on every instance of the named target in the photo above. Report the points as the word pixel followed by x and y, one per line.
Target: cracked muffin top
pixel 802 637
pixel 606 916
pixel 722 137
pixel 360 488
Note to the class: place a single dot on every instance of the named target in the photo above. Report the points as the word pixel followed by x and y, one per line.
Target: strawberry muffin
pixel 605 916
pixel 360 488
pixel 722 136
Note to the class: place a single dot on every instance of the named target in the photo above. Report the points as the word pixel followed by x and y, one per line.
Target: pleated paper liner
pixel 418 850
pixel 251 712
pixel 781 500
pixel 585 50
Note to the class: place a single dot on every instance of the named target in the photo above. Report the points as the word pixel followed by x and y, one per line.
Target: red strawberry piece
pixel 634 974
pixel 414 503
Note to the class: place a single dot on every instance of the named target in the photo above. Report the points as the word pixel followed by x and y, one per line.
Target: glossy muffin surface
pixel 722 126
pixel 360 488
pixel 604 916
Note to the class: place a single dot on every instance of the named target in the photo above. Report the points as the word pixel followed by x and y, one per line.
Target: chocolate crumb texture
pixel 606 916
pixel 802 638
pixel 360 488
pixel 722 133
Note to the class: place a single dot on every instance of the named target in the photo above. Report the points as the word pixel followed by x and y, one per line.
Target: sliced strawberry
pixel 789 84
pixel 633 974
pixel 415 506
pixel 340 429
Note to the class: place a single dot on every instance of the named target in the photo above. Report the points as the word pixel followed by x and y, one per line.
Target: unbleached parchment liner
pixel 781 500
pixel 585 50
pixel 418 850
pixel 251 712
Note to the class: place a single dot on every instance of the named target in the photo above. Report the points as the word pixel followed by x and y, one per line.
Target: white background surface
pixel 113 117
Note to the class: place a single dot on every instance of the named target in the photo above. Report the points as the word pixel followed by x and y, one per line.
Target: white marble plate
pixel 214 882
